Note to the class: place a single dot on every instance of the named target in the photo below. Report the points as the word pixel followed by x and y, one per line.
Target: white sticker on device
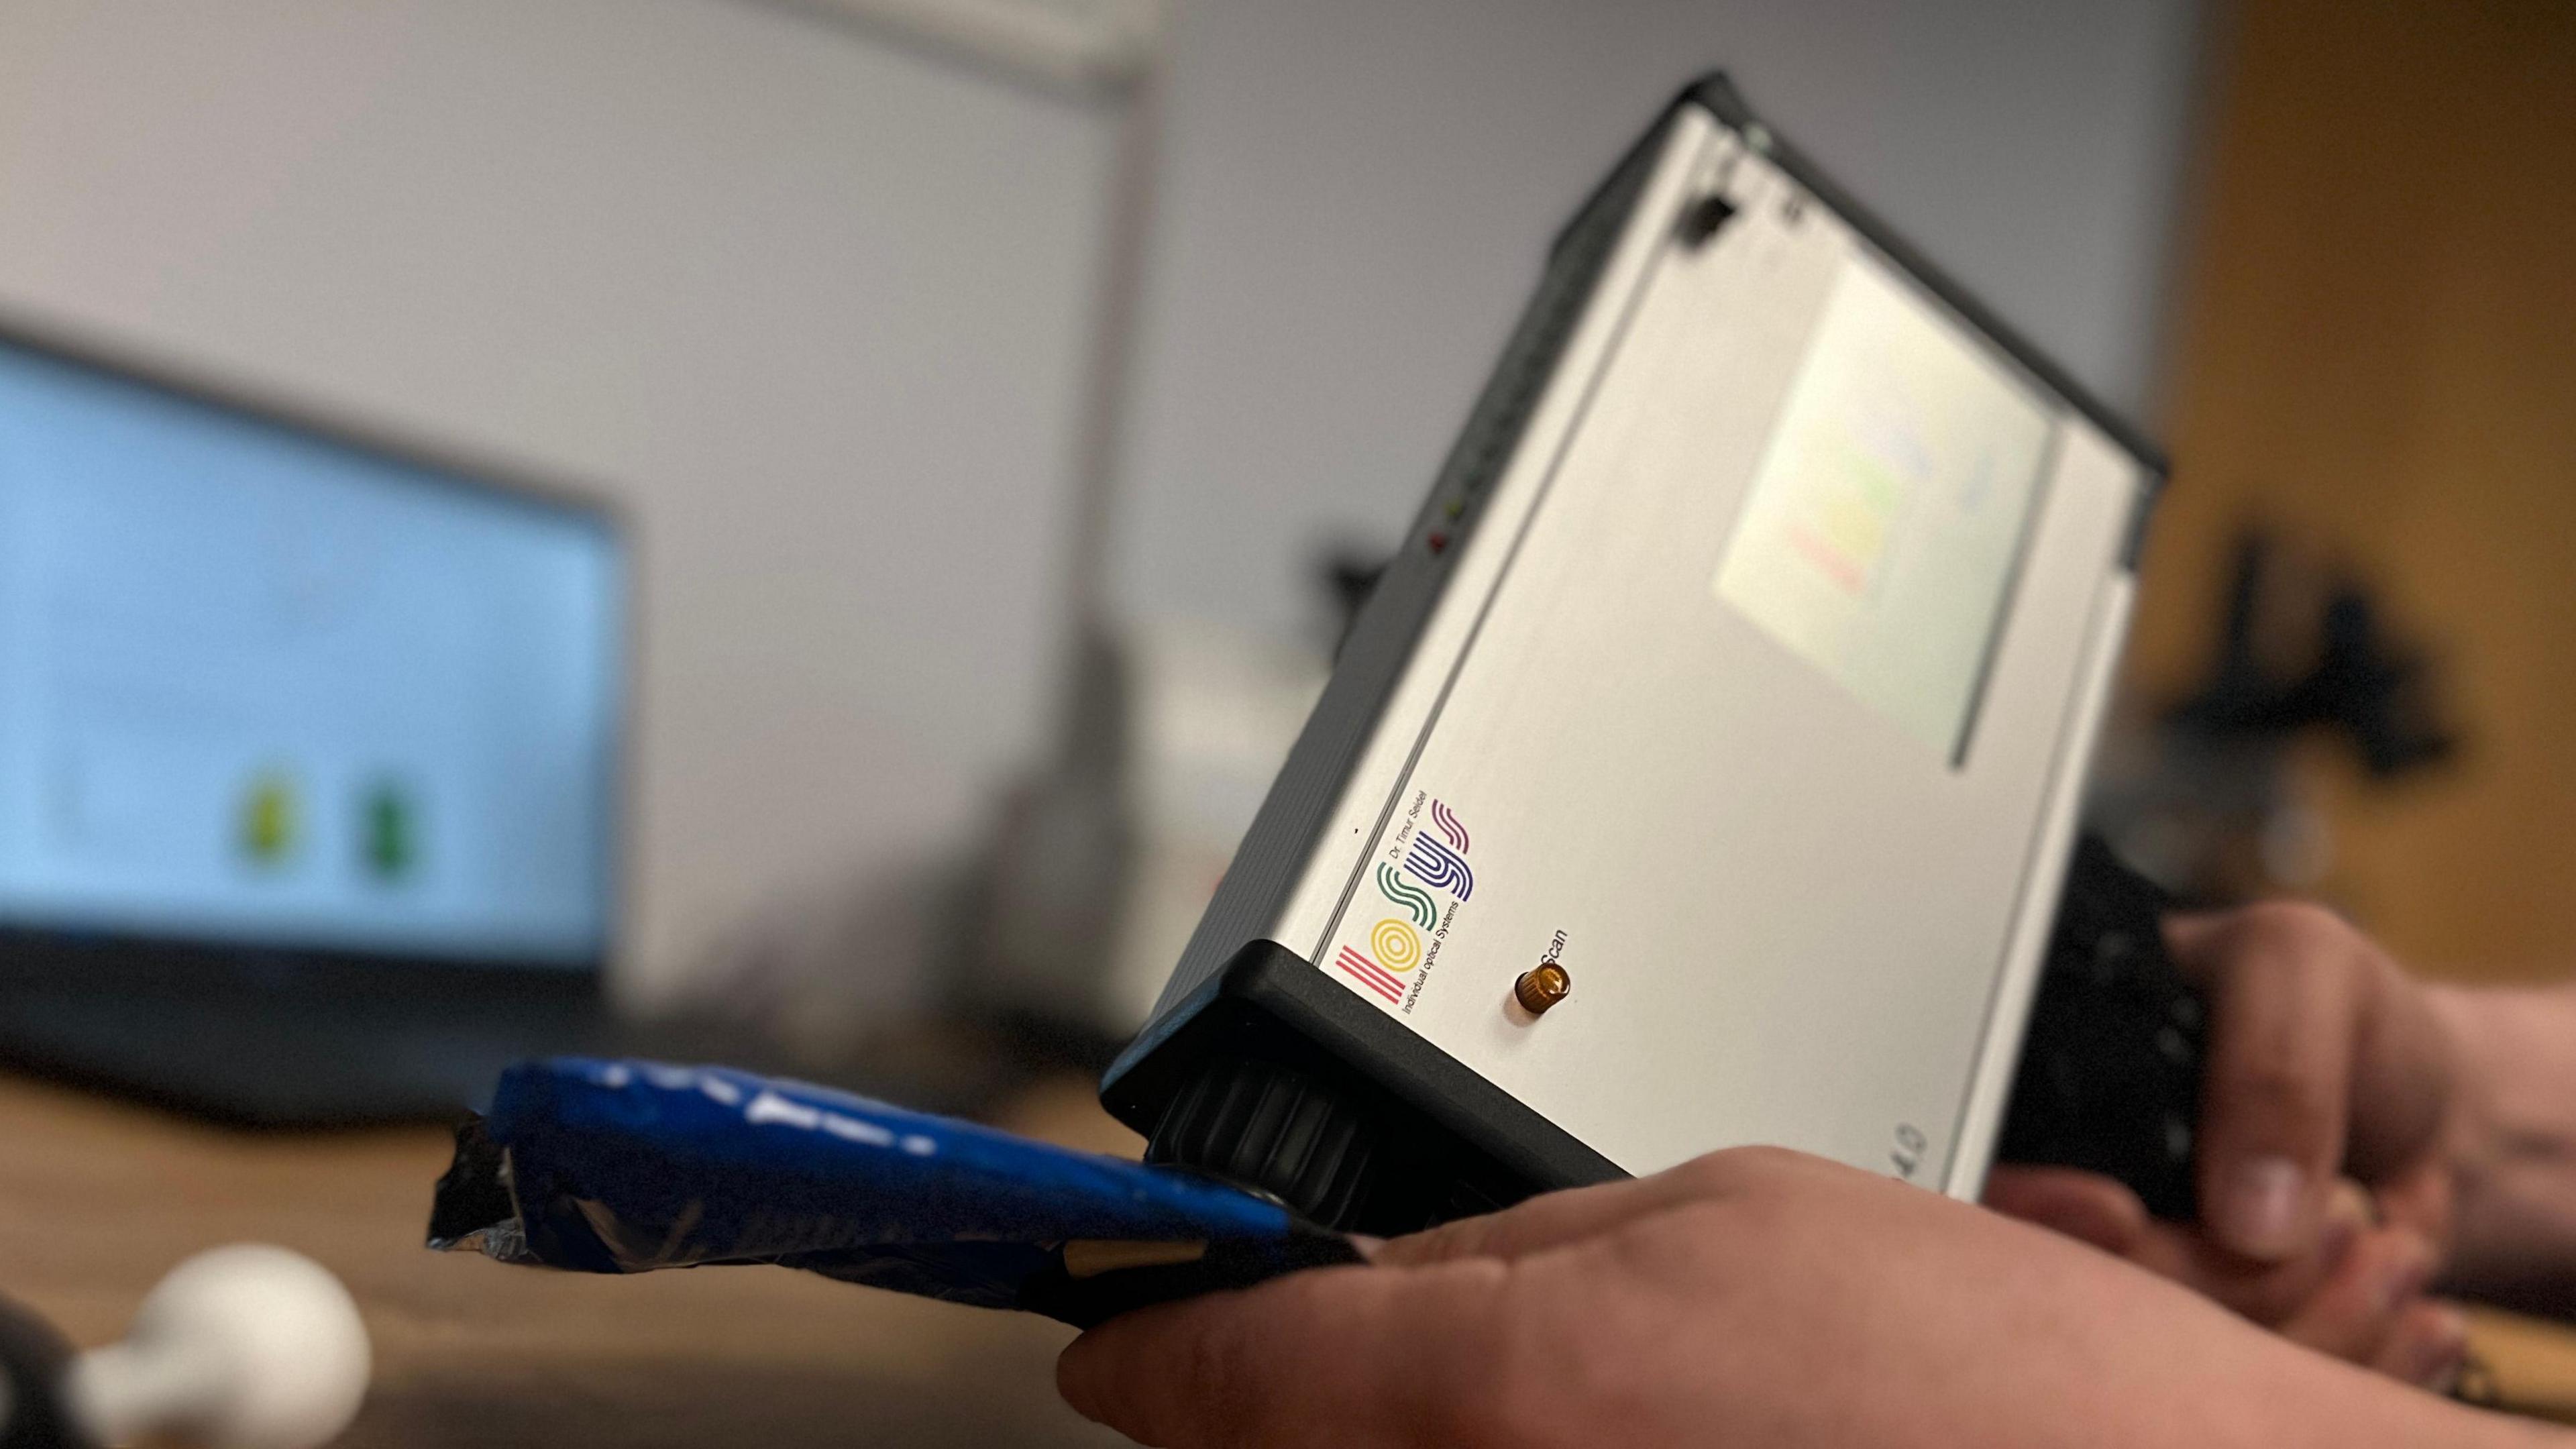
pixel 1880 530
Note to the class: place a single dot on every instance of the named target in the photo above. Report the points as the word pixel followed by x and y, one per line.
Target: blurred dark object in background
pixel 2359 683
pixel 2204 799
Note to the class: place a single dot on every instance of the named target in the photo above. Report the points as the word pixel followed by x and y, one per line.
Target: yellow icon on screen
pixel 271 819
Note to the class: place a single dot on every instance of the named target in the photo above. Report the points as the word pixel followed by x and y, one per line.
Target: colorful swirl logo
pixel 1398 946
pixel 1447 823
pixel 1440 866
pixel 1370 974
pixel 1425 911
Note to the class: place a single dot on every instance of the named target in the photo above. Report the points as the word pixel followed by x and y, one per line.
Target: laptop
pixel 309 753
pixel 1704 771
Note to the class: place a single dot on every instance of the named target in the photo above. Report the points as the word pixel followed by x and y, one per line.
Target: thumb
pixel 2287 989
pixel 1557 1218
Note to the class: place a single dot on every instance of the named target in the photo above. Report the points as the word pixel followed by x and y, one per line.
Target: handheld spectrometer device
pixel 1704 770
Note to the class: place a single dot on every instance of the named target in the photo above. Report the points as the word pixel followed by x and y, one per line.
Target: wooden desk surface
pixel 97 1200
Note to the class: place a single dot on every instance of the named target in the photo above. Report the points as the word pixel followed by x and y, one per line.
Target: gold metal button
pixel 1542 986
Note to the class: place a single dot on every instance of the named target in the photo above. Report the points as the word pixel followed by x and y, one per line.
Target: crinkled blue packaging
pixel 629 1166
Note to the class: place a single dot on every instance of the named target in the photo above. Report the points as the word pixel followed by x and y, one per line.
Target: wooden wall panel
pixel 2377 352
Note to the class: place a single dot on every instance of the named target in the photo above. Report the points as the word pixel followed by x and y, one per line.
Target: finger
pixel 1242 1368
pixel 2401 1062
pixel 2189 936
pixel 2428 1346
pixel 2355 1313
pixel 2402 1075
pixel 2085 1206
pixel 2419 1200
pixel 2267 1293
pixel 2284 1012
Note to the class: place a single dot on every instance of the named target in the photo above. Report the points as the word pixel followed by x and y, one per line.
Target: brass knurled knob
pixel 1542 986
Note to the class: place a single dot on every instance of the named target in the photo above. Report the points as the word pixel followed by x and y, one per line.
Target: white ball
pixel 245 1347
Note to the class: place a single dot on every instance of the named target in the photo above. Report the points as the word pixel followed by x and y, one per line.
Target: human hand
pixel 2323 1152
pixel 1754 1297
pixel 2358 1294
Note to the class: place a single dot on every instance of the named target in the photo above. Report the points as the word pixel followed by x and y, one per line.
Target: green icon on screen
pixel 389 833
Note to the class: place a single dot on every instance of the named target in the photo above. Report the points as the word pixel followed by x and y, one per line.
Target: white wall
pixel 1358 194
pixel 811 308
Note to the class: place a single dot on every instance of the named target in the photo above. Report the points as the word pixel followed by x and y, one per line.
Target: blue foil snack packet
pixel 630 1166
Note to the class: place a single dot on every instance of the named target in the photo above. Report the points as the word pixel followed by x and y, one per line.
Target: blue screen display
pixel 261 687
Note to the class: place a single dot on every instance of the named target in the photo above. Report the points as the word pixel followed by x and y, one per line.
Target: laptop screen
pixel 263 688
